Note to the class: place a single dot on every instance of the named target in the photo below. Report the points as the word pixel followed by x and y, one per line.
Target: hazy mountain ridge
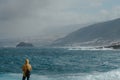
pixel 96 34
pixel 41 39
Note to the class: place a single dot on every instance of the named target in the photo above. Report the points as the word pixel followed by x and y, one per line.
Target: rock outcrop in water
pixel 114 45
pixel 24 44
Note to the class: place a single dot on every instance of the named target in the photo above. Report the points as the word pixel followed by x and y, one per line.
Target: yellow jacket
pixel 26 67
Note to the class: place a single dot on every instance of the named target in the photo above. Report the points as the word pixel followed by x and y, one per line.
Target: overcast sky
pixel 33 17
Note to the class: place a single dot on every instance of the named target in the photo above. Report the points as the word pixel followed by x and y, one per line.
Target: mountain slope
pixel 107 31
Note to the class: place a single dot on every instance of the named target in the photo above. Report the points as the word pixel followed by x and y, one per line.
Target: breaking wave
pixel 111 75
pixel 89 48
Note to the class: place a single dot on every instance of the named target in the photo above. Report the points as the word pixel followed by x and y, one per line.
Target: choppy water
pixel 60 64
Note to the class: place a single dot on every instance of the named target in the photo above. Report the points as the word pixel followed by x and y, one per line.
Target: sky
pixel 35 17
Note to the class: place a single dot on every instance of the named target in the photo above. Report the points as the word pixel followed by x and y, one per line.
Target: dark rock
pixel 24 44
pixel 114 46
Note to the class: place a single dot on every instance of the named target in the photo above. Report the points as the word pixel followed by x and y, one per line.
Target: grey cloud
pixel 16 16
pixel 10 9
pixel 31 17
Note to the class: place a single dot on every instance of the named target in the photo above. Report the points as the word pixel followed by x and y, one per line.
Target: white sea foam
pixel 111 75
pixel 89 48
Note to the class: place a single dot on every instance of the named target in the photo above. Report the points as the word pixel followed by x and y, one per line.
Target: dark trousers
pixel 24 77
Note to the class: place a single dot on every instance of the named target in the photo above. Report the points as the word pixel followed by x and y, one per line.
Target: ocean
pixel 60 64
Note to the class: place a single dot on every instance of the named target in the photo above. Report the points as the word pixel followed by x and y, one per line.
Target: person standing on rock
pixel 26 70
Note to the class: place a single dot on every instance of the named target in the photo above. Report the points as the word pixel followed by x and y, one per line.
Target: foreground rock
pixel 24 44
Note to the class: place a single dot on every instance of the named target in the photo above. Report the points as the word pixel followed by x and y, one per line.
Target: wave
pixel 111 75
pixel 89 48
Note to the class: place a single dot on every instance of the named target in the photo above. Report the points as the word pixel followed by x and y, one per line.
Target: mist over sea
pixel 60 64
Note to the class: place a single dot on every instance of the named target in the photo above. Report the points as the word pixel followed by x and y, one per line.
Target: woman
pixel 26 70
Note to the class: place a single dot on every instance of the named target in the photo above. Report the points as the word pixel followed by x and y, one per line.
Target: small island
pixel 24 44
